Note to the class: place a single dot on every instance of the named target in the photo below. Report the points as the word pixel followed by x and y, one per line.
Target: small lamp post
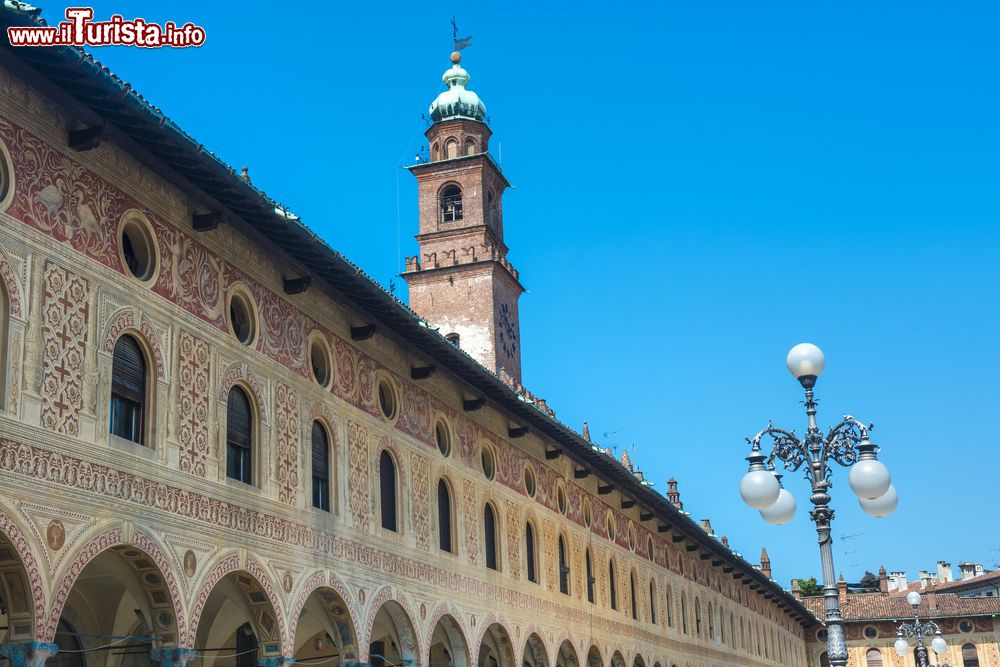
pixel 846 443
pixel 918 630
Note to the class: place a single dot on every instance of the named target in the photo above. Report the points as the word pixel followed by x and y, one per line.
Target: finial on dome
pixel 456 57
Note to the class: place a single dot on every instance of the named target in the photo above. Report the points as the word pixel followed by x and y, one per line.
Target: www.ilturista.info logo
pixel 79 29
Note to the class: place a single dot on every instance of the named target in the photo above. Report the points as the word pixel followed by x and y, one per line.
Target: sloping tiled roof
pixel 875 606
pixel 991 578
pixel 75 78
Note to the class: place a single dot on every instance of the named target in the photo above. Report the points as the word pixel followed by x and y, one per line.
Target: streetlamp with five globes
pixel 918 630
pixel 846 443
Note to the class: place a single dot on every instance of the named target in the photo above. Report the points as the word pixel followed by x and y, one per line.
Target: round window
pixel 387 398
pixel 319 361
pixel 443 437
pixel 529 481
pixel 588 514
pixel 871 632
pixel 486 458
pixel 138 252
pixel 561 498
pixel 241 318
pixel 821 634
pixel 966 626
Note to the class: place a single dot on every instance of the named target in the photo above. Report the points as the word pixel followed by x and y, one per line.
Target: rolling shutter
pixel 444 517
pixel 128 374
pixel 239 435
pixel 387 488
pixel 320 467
pixel 489 525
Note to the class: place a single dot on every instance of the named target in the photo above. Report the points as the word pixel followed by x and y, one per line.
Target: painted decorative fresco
pixel 64 330
pixel 287 416
pixel 193 416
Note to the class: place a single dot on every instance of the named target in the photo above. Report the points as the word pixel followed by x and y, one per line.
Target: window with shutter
pixel 128 390
pixel 612 587
pixel 590 578
pixel 444 517
pixel 873 658
pixel 320 467
pixel 239 436
pixel 529 552
pixel 635 606
pixel 970 657
pixel 387 490
pixel 563 568
pixel 490 527
pixel 652 603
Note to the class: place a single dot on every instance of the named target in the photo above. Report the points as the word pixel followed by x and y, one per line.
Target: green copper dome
pixel 457 102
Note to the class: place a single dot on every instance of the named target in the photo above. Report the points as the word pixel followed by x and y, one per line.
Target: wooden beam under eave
pixel 552 454
pixel 692 547
pixel 662 528
pixel 727 569
pixel 473 404
pixel 422 372
pixel 297 285
pixel 517 431
pixel 85 139
pixel 704 556
pixel 678 538
pixel 605 490
pixel 716 562
pixel 364 332
pixel 627 504
pixel 206 222
pixel 581 473
pixel 645 516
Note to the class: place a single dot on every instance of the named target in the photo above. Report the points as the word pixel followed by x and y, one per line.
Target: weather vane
pixel 460 43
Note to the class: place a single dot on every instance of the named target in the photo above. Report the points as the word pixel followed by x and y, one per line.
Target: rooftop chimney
pixel 925 579
pixel 943 572
pixel 897 581
pixel 673 495
pixel 706 525
pixel 765 563
pixel 842 590
pixel 883 580
pixel 970 570
pixel 795 589
pixel 586 432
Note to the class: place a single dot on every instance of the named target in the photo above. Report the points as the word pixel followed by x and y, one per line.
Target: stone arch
pixel 638 661
pixel 123 323
pixel 594 657
pixel 263 606
pixel 617 660
pixel 447 632
pixel 337 604
pixel 494 643
pixel 12 285
pixel 397 625
pixel 565 655
pixel 21 586
pixel 534 653
pixel 239 373
pixel 136 567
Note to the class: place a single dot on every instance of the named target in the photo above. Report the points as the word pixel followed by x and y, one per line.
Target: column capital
pixel 28 654
pixel 172 656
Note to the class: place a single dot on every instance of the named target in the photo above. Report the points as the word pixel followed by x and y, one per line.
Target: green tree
pixel 869 582
pixel 809 587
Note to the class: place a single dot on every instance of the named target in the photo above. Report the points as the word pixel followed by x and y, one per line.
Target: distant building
pixel 973 581
pixel 969 625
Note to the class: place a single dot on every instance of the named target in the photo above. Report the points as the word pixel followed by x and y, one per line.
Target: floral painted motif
pixel 193 433
pixel 287 414
pixel 64 330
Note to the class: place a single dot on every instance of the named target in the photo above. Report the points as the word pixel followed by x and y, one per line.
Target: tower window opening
pixel 454 339
pixel 451 203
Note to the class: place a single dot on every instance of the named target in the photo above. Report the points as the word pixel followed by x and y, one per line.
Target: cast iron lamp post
pixel 918 630
pixel 846 443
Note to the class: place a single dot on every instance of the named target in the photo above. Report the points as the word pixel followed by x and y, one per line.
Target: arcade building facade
pixel 222 444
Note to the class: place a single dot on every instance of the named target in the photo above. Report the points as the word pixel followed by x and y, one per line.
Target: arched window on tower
pixel 239 436
pixel 451 148
pixel 612 586
pixel 387 490
pixel 492 209
pixel 320 467
pixel 470 146
pixel 490 531
pixel 128 391
pixel 444 517
pixel 530 558
pixel 590 577
pixel 454 339
pixel 563 567
pixel 451 203
pixel 970 657
pixel 873 658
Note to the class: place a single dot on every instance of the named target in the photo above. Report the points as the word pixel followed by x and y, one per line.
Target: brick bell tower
pixel 461 282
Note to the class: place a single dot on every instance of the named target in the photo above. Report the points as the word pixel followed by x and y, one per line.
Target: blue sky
pixel 699 186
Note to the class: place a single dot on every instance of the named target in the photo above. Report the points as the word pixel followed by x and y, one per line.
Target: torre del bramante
pixel 223 445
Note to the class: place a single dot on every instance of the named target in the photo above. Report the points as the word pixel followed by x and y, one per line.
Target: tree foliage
pixel 869 581
pixel 809 587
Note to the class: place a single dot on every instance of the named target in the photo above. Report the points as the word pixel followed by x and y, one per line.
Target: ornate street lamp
pixel 846 443
pixel 918 630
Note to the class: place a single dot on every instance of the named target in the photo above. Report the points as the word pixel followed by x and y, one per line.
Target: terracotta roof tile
pixel 873 606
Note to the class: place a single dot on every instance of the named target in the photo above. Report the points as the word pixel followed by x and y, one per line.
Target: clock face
pixel 506 331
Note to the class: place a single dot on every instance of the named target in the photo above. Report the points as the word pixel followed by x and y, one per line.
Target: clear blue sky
pixel 700 185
